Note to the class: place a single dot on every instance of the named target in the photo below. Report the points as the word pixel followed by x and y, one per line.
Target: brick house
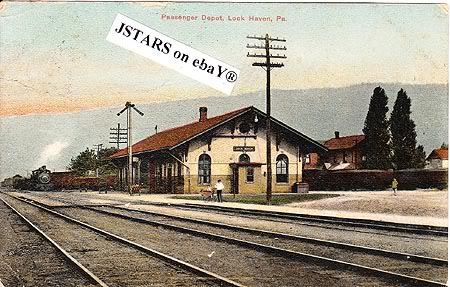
pixel 231 147
pixel 343 153
pixel 438 159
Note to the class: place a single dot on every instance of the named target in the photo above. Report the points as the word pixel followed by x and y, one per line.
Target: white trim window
pixel 282 168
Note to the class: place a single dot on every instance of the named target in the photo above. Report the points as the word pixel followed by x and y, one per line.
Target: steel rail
pixel 68 257
pixel 333 263
pixel 335 244
pixel 362 223
pixel 369 250
pixel 377 225
pixel 170 259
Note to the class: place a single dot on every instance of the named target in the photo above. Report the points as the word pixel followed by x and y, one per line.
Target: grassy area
pixel 277 199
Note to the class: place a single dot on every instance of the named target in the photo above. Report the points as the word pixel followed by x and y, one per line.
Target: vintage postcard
pixel 150 143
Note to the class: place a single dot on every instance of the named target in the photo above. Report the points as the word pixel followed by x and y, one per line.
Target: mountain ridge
pixel 52 139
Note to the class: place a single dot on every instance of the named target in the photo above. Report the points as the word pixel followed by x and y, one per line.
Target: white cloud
pixel 51 152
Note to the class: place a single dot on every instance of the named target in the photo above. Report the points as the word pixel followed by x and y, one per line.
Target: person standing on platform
pixel 219 189
pixel 394 186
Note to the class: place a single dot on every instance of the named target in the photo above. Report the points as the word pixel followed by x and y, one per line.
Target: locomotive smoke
pixel 51 152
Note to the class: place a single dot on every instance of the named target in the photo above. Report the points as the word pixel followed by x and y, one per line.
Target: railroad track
pixel 362 259
pixel 426 245
pixel 212 225
pixel 114 260
pixel 358 258
pixel 33 259
pixel 288 245
pixel 253 265
pixel 329 220
pixel 363 225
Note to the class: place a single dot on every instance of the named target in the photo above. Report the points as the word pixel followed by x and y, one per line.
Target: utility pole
pixel 99 147
pixel 128 107
pixel 267 65
pixel 116 135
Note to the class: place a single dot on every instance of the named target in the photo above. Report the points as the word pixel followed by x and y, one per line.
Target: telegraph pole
pixel 116 135
pixel 267 65
pixel 128 107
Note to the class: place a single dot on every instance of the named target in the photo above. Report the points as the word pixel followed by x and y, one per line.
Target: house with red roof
pixel 438 159
pixel 230 147
pixel 343 153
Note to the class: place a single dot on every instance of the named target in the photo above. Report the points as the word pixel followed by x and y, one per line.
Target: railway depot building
pixel 230 147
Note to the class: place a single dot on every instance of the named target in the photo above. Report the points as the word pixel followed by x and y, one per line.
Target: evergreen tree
pixel 376 130
pixel 403 130
pixel 420 157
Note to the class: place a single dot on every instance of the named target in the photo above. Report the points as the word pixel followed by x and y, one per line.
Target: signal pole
pixel 115 135
pixel 267 65
pixel 128 107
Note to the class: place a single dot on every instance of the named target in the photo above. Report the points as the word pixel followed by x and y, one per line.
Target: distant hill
pixel 28 141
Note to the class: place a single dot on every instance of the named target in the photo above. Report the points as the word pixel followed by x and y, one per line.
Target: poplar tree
pixel 403 129
pixel 376 130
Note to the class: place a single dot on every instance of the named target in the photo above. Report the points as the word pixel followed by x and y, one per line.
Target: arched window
pixel 282 168
pixel 204 169
pixel 244 158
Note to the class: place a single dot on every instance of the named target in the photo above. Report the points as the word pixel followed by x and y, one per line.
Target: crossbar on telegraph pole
pixel 128 107
pixel 116 135
pixel 267 65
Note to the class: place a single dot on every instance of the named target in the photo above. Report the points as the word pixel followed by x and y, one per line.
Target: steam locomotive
pixel 40 180
pixel 43 179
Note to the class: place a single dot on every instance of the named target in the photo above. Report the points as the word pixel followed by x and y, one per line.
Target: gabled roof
pixel 344 142
pixel 177 136
pixel 439 153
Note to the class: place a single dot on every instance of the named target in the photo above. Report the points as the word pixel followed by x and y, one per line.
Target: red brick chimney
pixel 336 134
pixel 203 114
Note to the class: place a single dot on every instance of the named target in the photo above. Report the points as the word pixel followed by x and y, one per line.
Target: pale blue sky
pixel 55 57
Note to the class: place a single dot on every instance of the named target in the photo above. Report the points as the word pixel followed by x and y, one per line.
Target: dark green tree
pixel 376 130
pixel 84 162
pixel 88 161
pixel 403 129
pixel 105 166
pixel 419 157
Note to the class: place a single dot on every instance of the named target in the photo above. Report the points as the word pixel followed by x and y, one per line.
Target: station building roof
pixel 174 137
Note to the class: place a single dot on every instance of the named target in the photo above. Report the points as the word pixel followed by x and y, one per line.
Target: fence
pixel 375 179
